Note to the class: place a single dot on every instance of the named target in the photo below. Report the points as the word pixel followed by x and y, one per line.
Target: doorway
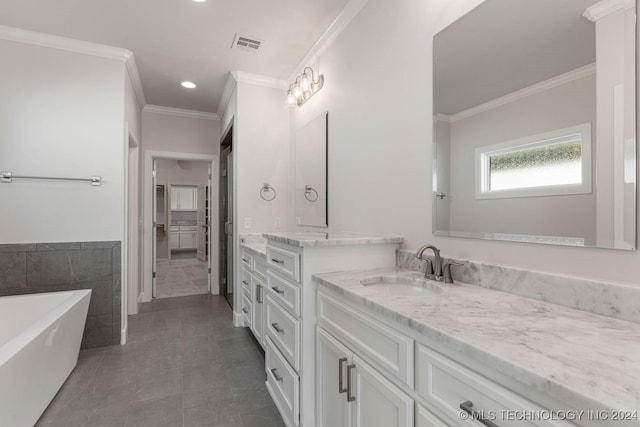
pixel 225 215
pixel 182 199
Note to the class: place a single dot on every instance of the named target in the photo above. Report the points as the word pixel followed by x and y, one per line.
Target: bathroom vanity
pixel 289 304
pixel 441 354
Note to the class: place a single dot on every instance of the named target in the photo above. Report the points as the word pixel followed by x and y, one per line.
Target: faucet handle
pixel 447 271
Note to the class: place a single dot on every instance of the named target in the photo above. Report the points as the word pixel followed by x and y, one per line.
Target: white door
pixel 154 230
pixel 331 373
pixel 378 402
pixel 257 326
pixel 201 221
pixel 229 227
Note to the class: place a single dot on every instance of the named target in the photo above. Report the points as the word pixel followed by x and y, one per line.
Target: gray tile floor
pixel 181 276
pixel 185 365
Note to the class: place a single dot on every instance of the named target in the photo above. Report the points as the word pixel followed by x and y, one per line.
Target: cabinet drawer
pixel 260 267
pixel 245 281
pixel 446 385
pixel 376 342
pixel 283 384
pixel 285 293
pixel 188 228
pixel 174 228
pixel 285 262
pixel 425 418
pixel 246 310
pixel 247 259
pixel 284 330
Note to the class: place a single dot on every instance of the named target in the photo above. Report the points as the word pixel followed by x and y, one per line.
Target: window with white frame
pixel 553 163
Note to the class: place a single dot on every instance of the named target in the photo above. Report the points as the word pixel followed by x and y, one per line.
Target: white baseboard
pixel 123 336
pixel 238 320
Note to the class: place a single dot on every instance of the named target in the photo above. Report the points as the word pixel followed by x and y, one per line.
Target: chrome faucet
pixel 436 272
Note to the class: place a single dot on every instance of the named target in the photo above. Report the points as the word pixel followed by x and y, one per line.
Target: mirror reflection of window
pixel 535 123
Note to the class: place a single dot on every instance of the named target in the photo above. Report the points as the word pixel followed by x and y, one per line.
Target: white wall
pixel 564 106
pixel 133 110
pixel 61 114
pixel 165 132
pixel 380 141
pixel 181 172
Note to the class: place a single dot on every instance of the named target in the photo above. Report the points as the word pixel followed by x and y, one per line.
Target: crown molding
pixel 136 82
pixel 259 80
pixel 344 18
pixel 63 43
pixel 440 117
pixel 229 87
pixel 551 83
pixel 605 7
pixel 179 112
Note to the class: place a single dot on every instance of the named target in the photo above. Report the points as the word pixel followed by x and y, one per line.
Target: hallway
pixel 185 365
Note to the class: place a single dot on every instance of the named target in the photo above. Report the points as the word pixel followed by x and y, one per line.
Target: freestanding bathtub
pixel 40 337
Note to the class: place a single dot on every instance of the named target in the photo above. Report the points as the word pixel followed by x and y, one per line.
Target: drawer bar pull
pixel 278 378
pixel 277 328
pixel 277 261
pixel 341 374
pixel 259 294
pixel 468 408
pixel 350 398
pixel 278 290
pixel 245 311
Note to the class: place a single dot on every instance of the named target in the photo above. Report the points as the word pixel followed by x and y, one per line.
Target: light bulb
pixel 296 91
pixel 304 83
pixel 290 98
pixel 188 85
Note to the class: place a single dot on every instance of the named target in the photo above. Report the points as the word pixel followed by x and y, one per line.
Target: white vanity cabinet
pixel 252 283
pixel 372 374
pixel 290 306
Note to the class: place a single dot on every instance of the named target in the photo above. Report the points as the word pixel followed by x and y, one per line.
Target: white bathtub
pixel 40 337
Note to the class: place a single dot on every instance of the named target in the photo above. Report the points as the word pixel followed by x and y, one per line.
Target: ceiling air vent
pixel 249 44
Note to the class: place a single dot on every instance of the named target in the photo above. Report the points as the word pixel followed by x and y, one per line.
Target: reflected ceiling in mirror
pixel 311 172
pixel 534 123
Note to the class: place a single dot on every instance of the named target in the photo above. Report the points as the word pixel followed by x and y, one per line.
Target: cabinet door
pixel 331 361
pixel 173 196
pixel 185 198
pixel 426 419
pixel 188 240
pixel 174 240
pixel 378 402
pixel 257 327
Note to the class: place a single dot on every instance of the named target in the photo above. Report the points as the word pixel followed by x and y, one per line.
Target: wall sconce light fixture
pixel 304 87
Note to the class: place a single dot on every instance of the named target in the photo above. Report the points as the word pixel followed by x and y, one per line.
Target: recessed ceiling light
pixel 188 85
pixel 199 1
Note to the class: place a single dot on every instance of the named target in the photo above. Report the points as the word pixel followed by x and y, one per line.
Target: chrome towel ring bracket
pixel 267 190
pixel 310 193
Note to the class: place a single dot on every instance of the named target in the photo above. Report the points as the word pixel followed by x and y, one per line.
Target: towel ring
pixel 310 190
pixel 266 188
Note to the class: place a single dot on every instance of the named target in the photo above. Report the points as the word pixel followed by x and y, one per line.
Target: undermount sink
pixel 401 286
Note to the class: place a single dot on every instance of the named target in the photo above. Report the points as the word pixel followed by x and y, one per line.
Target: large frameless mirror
pixel 535 123
pixel 311 172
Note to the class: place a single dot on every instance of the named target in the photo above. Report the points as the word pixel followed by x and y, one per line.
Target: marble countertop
pixel 581 359
pixel 306 239
pixel 259 249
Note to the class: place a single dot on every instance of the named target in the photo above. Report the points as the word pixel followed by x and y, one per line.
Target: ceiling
pixel 178 40
pixel 505 45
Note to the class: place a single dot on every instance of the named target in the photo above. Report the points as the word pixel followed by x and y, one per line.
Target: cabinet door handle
pixel 468 408
pixel 245 260
pixel 278 290
pixel 277 261
pixel 341 374
pixel 259 294
pixel 350 398
pixel 277 328
pixel 245 311
pixel 244 282
pixel 274 372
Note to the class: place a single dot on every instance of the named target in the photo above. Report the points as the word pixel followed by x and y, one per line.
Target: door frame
pixel 148 208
